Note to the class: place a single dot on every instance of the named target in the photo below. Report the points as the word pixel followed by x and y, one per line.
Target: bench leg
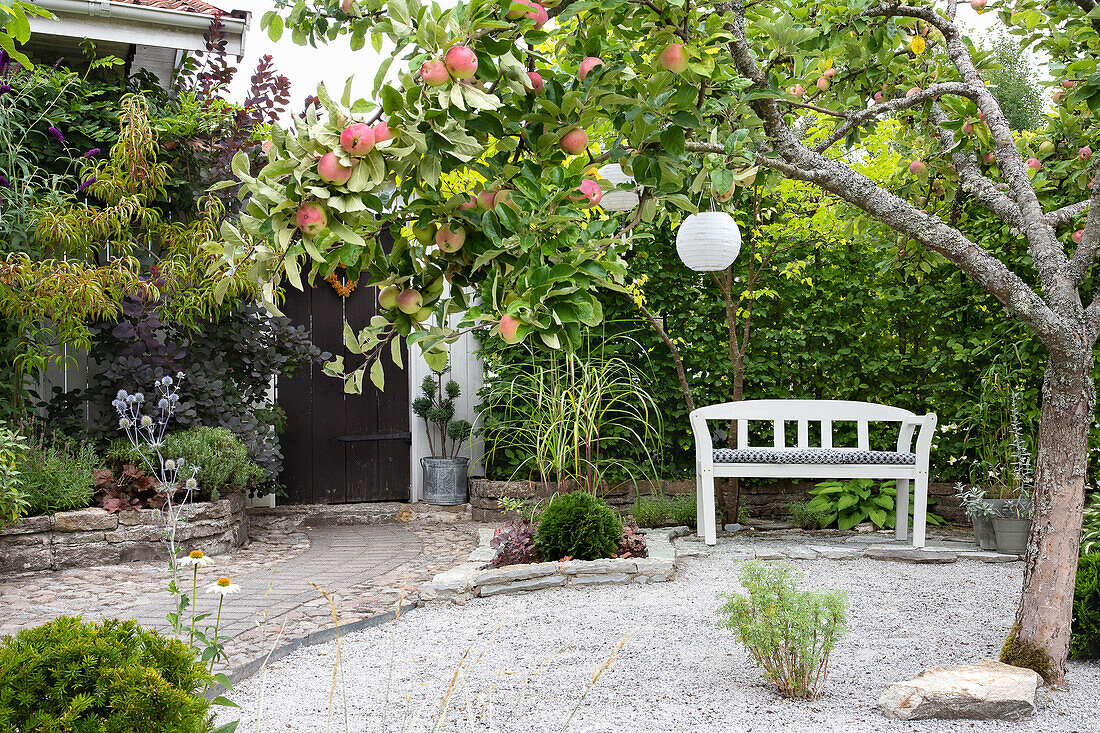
pixel 901 509
pixel 700 528
pixel 705 506
pixel 920 508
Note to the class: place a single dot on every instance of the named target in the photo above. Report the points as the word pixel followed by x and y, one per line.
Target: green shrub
pixel 578 525
pixel 55 475
pixel 114 677
pixel 790 633
pixel 13 501
pixel 652 511
pixel 808 518
pixel 1090 529
pixel 659 510
pixel 224 465
pixel 1085 640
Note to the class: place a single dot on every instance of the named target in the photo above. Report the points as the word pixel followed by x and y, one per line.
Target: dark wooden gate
pixel 342 447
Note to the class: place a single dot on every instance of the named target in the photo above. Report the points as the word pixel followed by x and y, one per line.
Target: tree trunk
pixel 1040 637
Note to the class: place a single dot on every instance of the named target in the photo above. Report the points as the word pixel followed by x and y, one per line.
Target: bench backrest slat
pixel 862 440
pixel 826 433
pixel 803 433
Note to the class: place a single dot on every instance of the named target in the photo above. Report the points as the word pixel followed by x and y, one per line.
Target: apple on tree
pixel 574 141
pixel 434 73
pixel 587 65
pixel 509 328
pixel 331 170
pixel 409 301
pixel 461 62
pixel 311 218
pixel 674 58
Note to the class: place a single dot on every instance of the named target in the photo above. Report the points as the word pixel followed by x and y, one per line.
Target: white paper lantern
pixel 616 199
pixel 708 241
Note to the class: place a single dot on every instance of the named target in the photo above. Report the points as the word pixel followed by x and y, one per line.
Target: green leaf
pixel 378 375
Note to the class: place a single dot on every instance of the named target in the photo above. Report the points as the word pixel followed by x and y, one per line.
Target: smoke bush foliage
pixel 790 633
pixel 228 363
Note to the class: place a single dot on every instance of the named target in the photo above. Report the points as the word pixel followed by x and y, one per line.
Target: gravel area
pixel 525 661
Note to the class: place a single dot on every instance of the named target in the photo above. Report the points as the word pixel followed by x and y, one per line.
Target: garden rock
pixel 84 520
pixel 989 690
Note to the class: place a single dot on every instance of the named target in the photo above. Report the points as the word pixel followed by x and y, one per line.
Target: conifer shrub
pixel 578 525
pixel 113 677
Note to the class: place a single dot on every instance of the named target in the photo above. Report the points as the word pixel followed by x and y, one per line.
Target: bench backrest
pixel 826 412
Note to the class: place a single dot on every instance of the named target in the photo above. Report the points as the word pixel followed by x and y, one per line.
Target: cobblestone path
pixel 363 566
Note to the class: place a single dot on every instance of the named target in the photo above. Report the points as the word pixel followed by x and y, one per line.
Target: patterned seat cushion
pixel 831 456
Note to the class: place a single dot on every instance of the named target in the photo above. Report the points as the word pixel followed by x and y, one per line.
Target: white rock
pixel 985 691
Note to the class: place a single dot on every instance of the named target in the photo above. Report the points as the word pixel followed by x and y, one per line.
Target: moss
pixel 1021 654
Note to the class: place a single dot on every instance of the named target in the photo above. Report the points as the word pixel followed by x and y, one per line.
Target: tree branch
pixel 1085 255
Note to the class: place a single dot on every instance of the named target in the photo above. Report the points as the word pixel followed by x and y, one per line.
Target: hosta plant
pixel 848 503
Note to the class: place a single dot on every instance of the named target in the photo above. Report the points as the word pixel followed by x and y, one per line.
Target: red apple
pixel 590 192
pixel 1078 236
pixel 348 6
pixel 574 141
pixel 1057 96
pixel 724 197
pixel 1068 84
pixel 968 128
pixel 879 98
pixel 311 218
pixel 917 167
pixel 450 238
pixel 1034 164
pixel 539 15
pixel 357 139
pixel 822 83
pixel 798 90
pixel 978 5
pixel 829 73
pixel 536 82
pixel 515 12
pixel 461 62
pixel 469 203
pixel 409 301
pixel 434 73
pixel 382 132
pixel 387 297
pixel 674 58
pixel 587 65
pixel 989 157
pixel 1084 153
pixel 485 198
pixel 332 170
pixel 509 327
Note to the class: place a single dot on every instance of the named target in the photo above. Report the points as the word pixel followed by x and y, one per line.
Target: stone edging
pixel 475 578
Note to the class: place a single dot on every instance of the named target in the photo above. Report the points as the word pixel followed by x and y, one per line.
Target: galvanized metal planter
pixel 444 480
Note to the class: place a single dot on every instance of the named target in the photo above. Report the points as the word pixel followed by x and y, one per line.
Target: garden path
pixel 363 566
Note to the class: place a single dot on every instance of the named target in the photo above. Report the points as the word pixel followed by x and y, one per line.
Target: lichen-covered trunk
pixel 1040 637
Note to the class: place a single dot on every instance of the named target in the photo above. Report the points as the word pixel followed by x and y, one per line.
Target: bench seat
pixel 830 456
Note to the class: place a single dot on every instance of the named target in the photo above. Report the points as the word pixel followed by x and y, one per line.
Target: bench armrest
pixel 704 446
pixel 927 427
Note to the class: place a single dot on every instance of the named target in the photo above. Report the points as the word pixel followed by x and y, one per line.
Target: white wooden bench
pixel 805 461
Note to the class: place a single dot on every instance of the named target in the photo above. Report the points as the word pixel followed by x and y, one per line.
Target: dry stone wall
pixel 89 537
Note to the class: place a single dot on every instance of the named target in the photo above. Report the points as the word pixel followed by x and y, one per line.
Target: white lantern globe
pixel 708 241
pixel 617 199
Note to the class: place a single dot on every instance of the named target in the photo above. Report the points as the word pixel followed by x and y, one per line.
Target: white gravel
pixel 529 658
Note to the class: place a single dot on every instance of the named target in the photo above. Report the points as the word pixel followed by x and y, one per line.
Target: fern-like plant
pixel 788 632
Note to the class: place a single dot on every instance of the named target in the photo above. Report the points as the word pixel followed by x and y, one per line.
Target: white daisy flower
pixel 223 587
pixel 196 558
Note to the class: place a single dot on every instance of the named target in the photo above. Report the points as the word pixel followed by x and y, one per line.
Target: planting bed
pixel 476 577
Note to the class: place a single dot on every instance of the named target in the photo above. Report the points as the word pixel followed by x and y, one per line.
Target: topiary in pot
pixel 68 675
pixel 578 525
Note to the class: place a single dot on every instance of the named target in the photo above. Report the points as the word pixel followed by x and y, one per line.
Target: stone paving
pixel 364 566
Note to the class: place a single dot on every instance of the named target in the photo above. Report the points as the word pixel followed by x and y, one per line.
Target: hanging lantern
pixel 708 241
pixel 616 199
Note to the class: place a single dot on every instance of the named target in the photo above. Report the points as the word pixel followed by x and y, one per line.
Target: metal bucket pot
pixel 444 480
pixel 1012 534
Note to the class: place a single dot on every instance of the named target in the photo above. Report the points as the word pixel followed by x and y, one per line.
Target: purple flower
pixel 5 88
pixel 92 153
pixel 84 186
pixel 4 182
pixel 55 134
pixel 5 62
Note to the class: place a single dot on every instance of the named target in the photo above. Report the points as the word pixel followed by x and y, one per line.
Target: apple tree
pixel 479 158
